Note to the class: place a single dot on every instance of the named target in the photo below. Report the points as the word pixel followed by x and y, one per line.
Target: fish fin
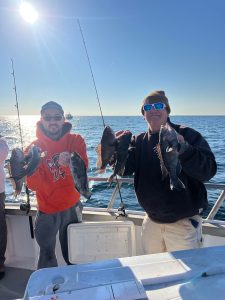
pixel 163 170
pixel 121 171
pixel 157 151
pixel 100 171
pixel 177 185
pixel 110 179
pixel 88 195
pixel 99 159
pixel 98 148
pixel 8 166
pixel 162 166
pixel 179 168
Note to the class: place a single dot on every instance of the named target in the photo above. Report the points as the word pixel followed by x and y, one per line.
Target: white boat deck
pixel 197 274
pixel 177 275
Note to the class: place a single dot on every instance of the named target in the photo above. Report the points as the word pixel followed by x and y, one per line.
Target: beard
pixel 53 134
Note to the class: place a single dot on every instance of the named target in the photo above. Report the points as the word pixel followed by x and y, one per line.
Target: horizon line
pixel 178 115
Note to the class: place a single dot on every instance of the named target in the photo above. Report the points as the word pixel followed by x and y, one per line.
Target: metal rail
pixel 209 186
pixel 120 181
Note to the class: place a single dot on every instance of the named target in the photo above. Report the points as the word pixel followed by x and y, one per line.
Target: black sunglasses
pixel 55 118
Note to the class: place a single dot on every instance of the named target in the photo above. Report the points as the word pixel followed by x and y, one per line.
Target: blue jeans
pixel 46 228
pixel 3 229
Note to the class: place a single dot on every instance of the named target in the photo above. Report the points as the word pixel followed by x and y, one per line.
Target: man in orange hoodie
pixel 57 197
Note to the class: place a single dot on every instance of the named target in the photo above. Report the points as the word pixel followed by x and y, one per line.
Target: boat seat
pixel 91 241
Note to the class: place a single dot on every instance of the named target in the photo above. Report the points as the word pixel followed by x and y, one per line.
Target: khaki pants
pixel 183 234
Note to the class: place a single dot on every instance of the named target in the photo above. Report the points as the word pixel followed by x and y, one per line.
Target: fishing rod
pixel 23 206
pixel 122 205
pixel 17 104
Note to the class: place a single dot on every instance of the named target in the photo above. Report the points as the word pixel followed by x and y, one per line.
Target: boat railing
pixel 219 201
pixel 120 181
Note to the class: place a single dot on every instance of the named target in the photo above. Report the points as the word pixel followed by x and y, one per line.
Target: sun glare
pixel 28 12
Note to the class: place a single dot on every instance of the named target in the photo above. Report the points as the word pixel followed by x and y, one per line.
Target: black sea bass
pixel 105 150
pixel 113 151
pixel 168 153
pixel 121 153
pixel 21 165
pixel 79 172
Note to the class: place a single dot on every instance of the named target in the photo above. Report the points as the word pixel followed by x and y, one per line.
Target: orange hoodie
pixel 54 185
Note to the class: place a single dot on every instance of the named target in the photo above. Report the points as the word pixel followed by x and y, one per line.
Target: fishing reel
pixel 121 211
pixel 25 207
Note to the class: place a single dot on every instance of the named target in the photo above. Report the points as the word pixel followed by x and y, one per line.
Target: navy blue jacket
pixel 153 193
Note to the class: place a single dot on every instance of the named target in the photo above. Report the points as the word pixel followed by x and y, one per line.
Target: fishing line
pixel 96 91
pixel 92 74
pixel 23 206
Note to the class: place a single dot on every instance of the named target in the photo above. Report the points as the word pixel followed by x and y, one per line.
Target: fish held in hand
pixel 33 159
pixel 79 173
pixel 121 153
pixel 16 171
pixel 168 153
pixel 21 165
pixel 105 150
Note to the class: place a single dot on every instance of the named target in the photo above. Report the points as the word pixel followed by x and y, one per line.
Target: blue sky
pixel 135 47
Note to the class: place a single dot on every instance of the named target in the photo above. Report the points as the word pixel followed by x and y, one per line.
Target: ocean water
pixel 211 127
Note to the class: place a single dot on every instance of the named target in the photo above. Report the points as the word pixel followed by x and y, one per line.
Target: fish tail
pixel 110 179
pixel 88 195
pixel 100 171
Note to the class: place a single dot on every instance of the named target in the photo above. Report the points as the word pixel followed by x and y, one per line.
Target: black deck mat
pixel 13 285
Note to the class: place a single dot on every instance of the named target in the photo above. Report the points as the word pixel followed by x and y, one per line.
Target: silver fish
pixel 79 173
pixel 167 150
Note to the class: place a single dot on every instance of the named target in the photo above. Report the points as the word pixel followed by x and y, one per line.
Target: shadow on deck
pixel 13 285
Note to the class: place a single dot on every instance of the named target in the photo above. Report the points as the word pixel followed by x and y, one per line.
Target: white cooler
pixel 91 241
